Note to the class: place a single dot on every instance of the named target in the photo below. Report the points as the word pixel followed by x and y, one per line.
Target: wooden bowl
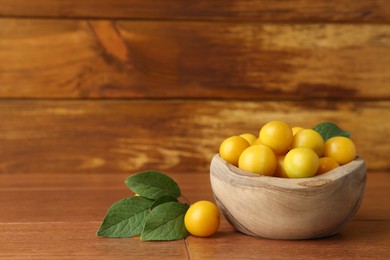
pixel 279 208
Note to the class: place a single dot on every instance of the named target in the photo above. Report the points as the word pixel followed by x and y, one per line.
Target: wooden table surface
pixel 55 216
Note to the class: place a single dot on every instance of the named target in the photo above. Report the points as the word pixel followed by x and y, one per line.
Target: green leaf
pixel 125 218
pixel 153 184
pixel 166 222
pixel 329 129
pixel 162 200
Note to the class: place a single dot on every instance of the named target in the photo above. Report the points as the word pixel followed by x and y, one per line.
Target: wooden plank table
pixel 55 216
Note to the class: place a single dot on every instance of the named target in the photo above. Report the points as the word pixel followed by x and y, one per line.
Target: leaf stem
pixel 185 199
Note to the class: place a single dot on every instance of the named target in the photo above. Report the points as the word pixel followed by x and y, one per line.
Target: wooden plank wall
pixel 128 85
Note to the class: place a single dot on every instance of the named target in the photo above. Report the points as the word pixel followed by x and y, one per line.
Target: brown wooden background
pixel 127 85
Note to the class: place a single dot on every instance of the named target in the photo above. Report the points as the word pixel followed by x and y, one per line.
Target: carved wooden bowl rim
pixel 248 179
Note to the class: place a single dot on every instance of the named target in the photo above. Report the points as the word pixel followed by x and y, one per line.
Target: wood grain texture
pixel 43 58
pixel 78 197
pixel 93 91
pixel 28 198
pixel 360 239
pixel 279 208
pixel 263 10
pixel 178 136
pixel 40 233
pixel 78 241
